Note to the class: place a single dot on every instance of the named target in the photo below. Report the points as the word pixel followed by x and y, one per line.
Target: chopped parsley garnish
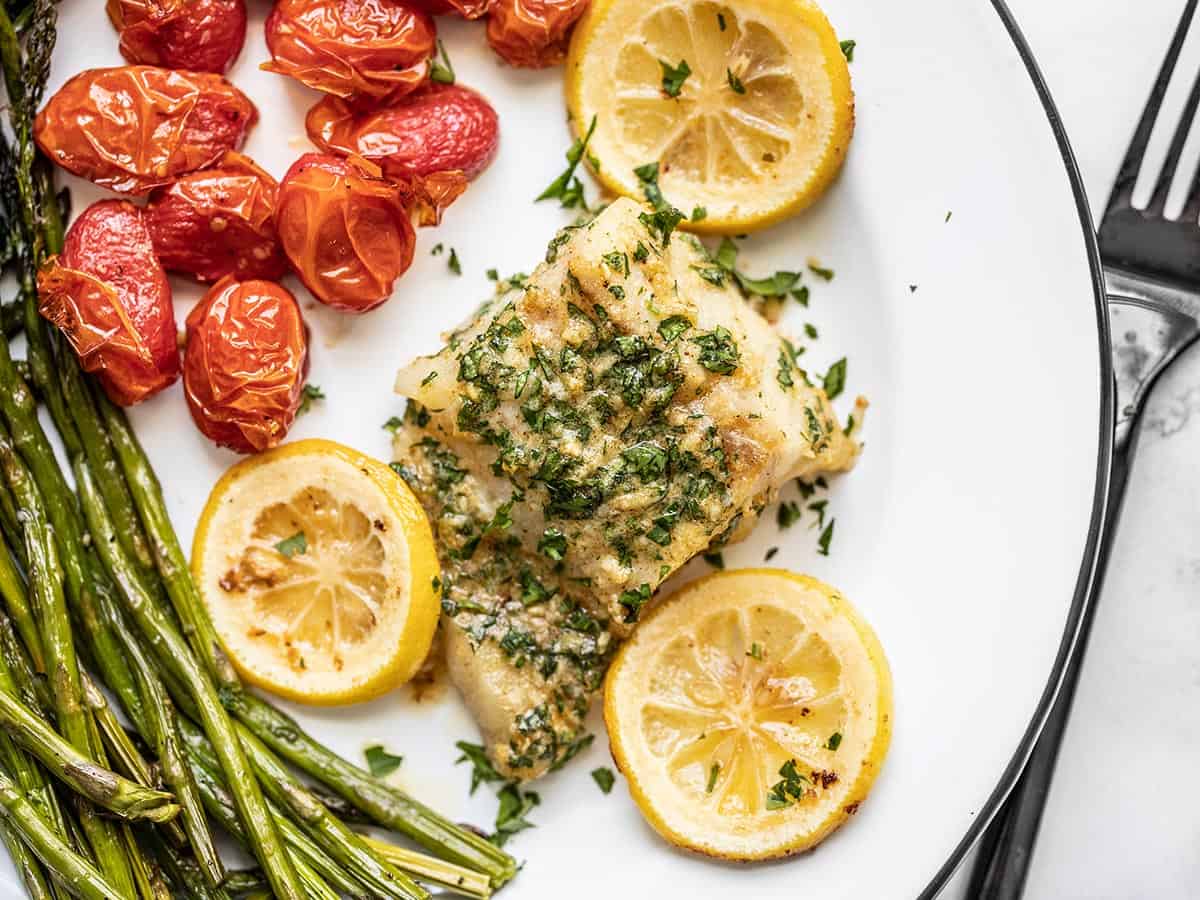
pixel 634 600
pixel 567 188
pixel 819 507
pixel 848 49
pixel 661 223
pixel 801 295
pixel 810 331
pixel 380 762
pixel 515 805
pixel 672 327
pixel 617 261
pixel 430 378
pixel 791 787
pixel 755 651
pixel 492 275
pixel 310 395
pixel 721 21
pixel 835 379
pixel 770 554
pixel 820 271
pixel 735 83
pixel 788 514
pixel 441 71
pixel 437 249
pixel 296 545
pixel 453 264
pixel 714 275
pixel 699 214
pixel 778 284
pixel 727 254
pixel 393 424
pixel 673 77
pixel 835 741
pixel 713 771
pixel 553 544
pixel 825 538
pixel 949 213
pixel 647 177
pixel 718 350
pixel 604 778
pixel 716 560
pixel 617 291
pixel 482 770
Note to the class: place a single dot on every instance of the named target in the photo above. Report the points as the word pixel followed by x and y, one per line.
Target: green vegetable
pixel 380 762
pixel 718 350
pixel 310 395
pixel 848 49
pixel 567 188
pixel 296 545
pixel 835 379
pixel 440 69
pixel 482 770
pixel 790 788
pixel 604 778
pixel 515 805
pixel 673 77
pixel 453 264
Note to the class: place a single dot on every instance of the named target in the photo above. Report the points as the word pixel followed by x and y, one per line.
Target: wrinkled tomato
pixel 468 9
pixel 368 49
pixel 532 33
pixel 440 128
pixel 199 35
pixel 133 128
pixel 218 222
pixel 346 230
pixel 109 295
pixel 245 363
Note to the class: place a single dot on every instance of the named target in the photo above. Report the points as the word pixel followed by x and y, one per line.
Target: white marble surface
pixel 1123 819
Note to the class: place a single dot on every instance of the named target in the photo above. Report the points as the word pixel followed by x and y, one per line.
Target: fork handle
pixel 1151 327
pixel 1006 850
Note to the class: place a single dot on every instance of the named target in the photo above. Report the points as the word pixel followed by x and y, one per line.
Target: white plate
pixel 961 533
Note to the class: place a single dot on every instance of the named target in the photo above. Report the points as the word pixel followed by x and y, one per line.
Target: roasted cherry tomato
pixel 346 230
pixel 369 49
pixel 468 9
pixel 133 128
pixel 109 295
pixel 199 35
pixel 218 222
pixel 439 128
pixel 532 33
pixel 245 363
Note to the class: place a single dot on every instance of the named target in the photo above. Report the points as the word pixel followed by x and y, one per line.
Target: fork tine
pixel 1158 200
pixel 1122 194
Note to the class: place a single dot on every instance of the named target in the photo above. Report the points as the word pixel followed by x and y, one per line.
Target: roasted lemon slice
pixel 317 565
pixel 750 713
pixel 745 106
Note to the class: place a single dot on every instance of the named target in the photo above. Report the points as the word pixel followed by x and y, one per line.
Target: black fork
pixel 1152 272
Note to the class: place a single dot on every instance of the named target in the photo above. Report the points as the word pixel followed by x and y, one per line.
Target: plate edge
pixel 1086 583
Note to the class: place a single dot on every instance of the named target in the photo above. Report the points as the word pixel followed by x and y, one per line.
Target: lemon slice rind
pixel 340 615
pixel 745 671
pixel 748 157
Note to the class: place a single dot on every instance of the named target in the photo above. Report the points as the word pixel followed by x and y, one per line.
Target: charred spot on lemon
pixel 752 130
pixel 318 566
pixel 750 713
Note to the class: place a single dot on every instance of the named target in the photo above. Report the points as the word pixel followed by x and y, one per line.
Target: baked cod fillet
pixel 587 433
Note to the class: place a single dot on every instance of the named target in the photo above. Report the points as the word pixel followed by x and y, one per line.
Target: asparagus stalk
pixel 220 806
pixel 58 644
pixel 120 796
pixel 26 864
pixel 433 871
pixel 168 743
pixel 12 590
pixel 380 877
pixel 184 873
pixel 243 881
pixel 70 869
pixel 173 653
pixel 168 555
pixel 384 804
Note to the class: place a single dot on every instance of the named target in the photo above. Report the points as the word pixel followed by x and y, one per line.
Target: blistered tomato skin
pixel 468 9
pixel 366 49
pixel 532 34
pixel 218 222
pixel 133 128
pixel 198 35
pixel 345 229
pixel 109 295
pixel 245 363
pixel 440 128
